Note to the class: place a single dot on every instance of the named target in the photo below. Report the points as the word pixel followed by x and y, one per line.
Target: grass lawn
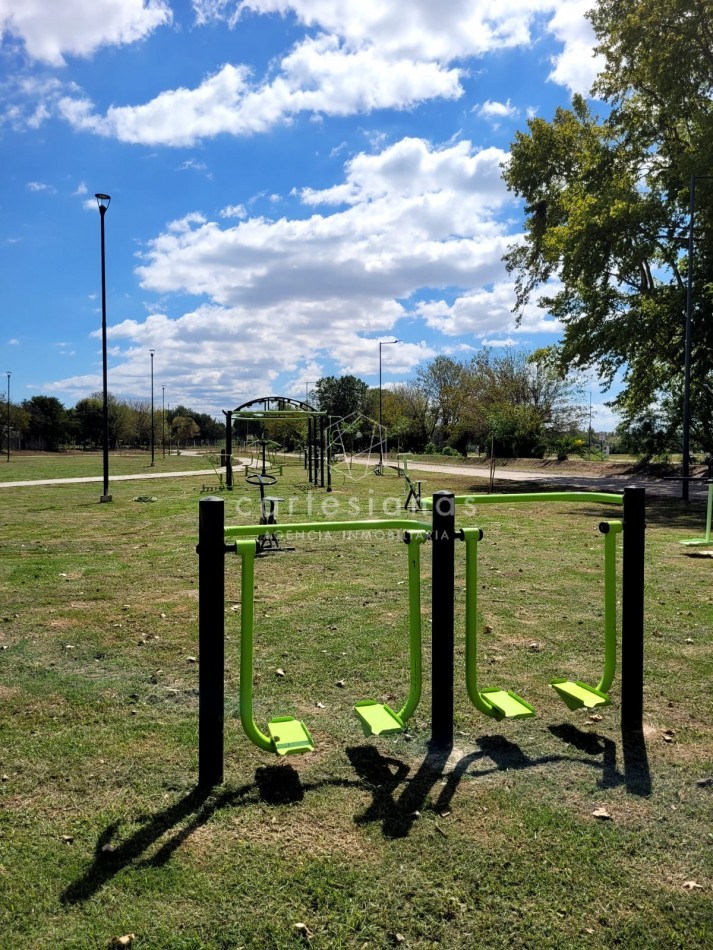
pixel 37 465
pixel 362 843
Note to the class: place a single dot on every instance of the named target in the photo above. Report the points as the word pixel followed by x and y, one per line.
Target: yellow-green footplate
pixel 578 695
pixel 290 736
pixel 507 705
pixel 377 719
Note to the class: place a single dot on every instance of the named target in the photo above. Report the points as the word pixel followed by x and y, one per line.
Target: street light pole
pixel 8 415
pixel 153 457
pixel 381 438
pixel 103 202
pixel 685 468
pixel 163 422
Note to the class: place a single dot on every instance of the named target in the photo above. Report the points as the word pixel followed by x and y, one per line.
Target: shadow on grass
pixel 385 775
pixel 382 775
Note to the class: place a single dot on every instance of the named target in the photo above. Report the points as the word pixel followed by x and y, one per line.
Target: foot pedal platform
pixel 289 736
pixel 578 695
pixel 507 705
pixel 377 719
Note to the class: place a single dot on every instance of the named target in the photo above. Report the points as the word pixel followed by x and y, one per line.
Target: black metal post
pixel 442 638
pixel 309 449
pixel 8 414
pixel 211 640
pixel 329 461
pixel 632 610
pixel 228 449
pixel 153 455
pixel 103 202
pixel 685 468
pixel 321 451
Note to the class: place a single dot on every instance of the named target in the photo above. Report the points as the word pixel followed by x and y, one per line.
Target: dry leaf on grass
pixel 304 931
pixel 124 941
pixel 601 813
pixel 279 671
pixel 692 886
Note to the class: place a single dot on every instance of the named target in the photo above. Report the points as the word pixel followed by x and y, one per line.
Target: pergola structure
pixel 284 409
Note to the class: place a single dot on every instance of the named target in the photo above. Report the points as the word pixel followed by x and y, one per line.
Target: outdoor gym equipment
pixel 694 542
pixel 505 704
pixel 283 409
pixel 413 488
pixel 215 541
pixel 287 735
pixel 269 539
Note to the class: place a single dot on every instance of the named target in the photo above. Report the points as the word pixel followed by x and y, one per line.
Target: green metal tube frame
pixel 324 527
pixel 472 536
pixel 414 540
pixel 246 549
pixel 610 529
pixel 604 498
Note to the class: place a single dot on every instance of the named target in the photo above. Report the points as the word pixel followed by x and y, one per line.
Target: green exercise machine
pixel 698 542
pixel 285 734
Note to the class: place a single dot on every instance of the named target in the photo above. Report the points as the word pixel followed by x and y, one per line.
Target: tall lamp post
pixel 153 457
pixel 685 469
pixel 103 202
pixel 381 439
pixel 8 415
pixel 163 422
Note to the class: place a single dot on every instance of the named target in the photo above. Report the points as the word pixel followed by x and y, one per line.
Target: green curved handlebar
pixel 414 540
pixel 471 536
pixel 246 551
pixel 603 498
pixel 610 529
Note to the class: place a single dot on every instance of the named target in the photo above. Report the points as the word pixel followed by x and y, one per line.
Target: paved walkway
pixel 616 483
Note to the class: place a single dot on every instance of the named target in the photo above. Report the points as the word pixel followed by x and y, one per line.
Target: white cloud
pixel 576 66
pixel 233 211
pixel 51 29
pixel 497 110
pixel 484 311
pixel 39 186
pixel 421 30
pixel 318 76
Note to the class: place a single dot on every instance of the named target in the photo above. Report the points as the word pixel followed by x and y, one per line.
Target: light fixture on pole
pixel 153 456
pixel 8 415
pixel 381 438
pixel 685 468
pixel 163 422
pixel 103 202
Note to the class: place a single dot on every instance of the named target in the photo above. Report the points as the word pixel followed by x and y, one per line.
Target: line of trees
pixel 44 423
pixel 519 404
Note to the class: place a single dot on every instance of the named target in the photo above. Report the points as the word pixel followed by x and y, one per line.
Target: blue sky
pixel 292 181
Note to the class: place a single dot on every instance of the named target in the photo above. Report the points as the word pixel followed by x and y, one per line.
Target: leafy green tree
pixel 442 382
pixel 47 421
pixel 340 396
pixel 88 421
pixel 606 203
pixel 185 428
